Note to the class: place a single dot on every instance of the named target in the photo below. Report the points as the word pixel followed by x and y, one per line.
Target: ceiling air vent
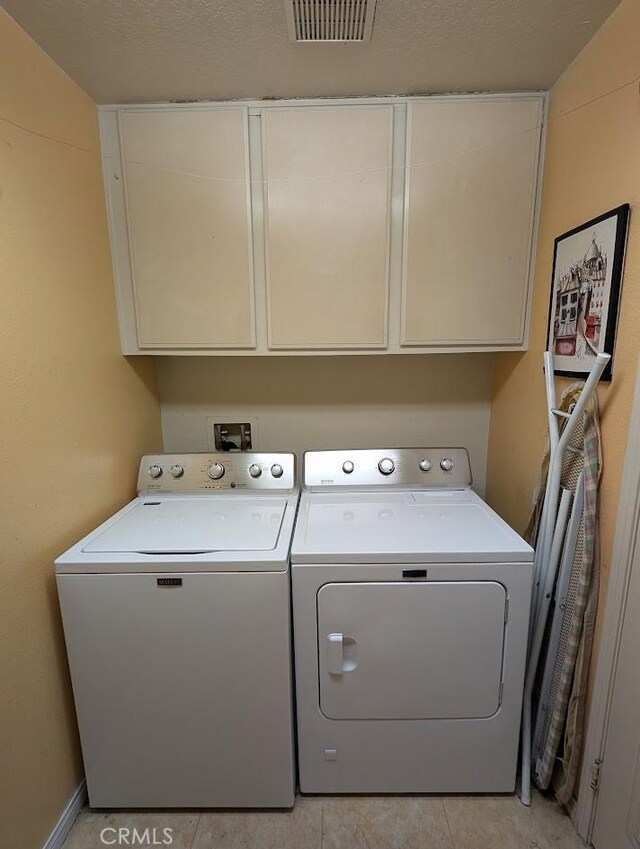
pixel 330 20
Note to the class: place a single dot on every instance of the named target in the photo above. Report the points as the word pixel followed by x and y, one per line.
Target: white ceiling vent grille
pixel 330 20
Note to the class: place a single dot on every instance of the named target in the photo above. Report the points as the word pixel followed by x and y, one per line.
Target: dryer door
pixel 420 650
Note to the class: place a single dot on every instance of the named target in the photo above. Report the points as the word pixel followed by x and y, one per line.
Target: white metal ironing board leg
pixel 549 548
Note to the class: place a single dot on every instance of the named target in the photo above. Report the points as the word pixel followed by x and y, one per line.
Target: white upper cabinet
pixel 188 215
pixel 379 225
pixel 470 198
pixel 327 183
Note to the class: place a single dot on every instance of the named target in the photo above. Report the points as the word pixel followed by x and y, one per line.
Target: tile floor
pixel 382 822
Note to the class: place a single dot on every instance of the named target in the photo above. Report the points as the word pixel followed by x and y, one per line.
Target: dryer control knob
pixel 276 470
pixel 386 466
pixel 254 470
pixel 155 471
pixel 347 467
pixel 177 470
pixel 446 464
pixel 215 471
pixel 425 465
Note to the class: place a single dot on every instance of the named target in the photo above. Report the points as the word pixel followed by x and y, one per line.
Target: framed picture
pixel 585 292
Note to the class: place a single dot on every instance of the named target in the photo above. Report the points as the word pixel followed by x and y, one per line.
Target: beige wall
pixel 592 164
pixel 331 402
pixel 75 414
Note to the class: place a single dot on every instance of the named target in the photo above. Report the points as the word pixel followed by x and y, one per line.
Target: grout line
pixel 195 830
pixel 322 824
pixel 446 816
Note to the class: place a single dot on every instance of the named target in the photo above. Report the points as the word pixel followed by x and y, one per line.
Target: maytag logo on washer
pixel 136 837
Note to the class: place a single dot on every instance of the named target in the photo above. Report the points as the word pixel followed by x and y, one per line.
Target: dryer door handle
pixel 335 656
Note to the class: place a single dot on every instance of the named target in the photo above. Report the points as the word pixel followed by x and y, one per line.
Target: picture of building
pixel 583 308
pixel 579 305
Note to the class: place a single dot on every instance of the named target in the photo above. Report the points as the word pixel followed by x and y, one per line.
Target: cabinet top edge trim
pixel 324 101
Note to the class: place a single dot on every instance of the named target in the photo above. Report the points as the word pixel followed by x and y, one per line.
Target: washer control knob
pixel 276 470
pixel 177 470
pixel 386 466
pixel 446 464
pixel 155 471
pixel 215 471
pixel 347 467
pixel 425 465
pixel 254 470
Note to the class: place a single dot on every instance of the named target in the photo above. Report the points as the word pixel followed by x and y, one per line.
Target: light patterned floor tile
pixel 103 830
pixel 502 822
pixel 300 828
pixel 345 822
pixel 385 822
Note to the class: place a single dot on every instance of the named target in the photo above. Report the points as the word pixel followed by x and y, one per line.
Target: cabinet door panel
pixel 189 227
pixel 469 205
pixel 327 173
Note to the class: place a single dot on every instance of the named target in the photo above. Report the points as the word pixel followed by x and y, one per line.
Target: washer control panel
pixel 218 471
pixel 390 467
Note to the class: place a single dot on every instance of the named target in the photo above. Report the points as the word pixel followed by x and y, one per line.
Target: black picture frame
pixel 585 293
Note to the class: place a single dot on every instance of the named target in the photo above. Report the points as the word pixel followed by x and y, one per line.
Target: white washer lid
pixel 196 525
pixel 414 526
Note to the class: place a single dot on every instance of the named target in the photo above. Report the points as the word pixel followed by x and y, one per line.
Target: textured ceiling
pixel 123 51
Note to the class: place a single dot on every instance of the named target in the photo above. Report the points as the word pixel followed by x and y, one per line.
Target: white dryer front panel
pixel 411 650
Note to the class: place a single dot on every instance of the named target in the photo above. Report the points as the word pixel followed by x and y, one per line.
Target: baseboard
pixel 67 818
pixel 572 810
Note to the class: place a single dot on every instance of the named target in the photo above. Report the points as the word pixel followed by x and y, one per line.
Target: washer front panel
pixel 182 688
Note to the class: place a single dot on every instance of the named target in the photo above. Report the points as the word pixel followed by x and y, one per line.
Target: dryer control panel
pixel 244 470
pixel 409 468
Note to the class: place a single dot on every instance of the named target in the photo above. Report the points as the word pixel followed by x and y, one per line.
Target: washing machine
pixel 411 609
pixel 176 616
